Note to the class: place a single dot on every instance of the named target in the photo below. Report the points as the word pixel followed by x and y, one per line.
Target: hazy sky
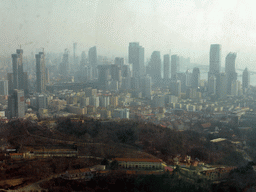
pixel 186 27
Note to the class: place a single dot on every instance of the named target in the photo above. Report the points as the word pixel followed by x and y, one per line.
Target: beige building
pixel 137 163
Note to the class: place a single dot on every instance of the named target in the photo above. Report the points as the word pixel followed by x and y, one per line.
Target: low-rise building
pixel 137 163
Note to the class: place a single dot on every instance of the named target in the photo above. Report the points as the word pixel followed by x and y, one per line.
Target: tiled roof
pixel 138 160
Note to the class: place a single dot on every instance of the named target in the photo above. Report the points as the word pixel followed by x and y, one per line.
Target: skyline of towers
pixel 40 72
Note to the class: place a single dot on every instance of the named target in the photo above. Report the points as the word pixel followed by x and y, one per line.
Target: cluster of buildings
pixel 103 88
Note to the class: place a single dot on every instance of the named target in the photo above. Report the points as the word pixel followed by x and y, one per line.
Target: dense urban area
pixel 94 123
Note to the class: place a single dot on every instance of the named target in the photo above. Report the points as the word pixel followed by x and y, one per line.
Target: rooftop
pixel 138 160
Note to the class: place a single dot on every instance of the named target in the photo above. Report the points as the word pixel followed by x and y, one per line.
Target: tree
pixel 105 162
pixel 114 165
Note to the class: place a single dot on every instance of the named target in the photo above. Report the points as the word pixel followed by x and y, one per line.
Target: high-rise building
pixel 119 61
pixel 215 59
pixel 16 104
pixel 212 85
pixel 40 72
pixel 17 66
pixel 221 85
pixel 183 80
pixel 230 70
pixel 83 61
pixel 92 54
pixel 64 65
pixel 18 79
pixel 3 87
pixel 215 63
pixel 245 80
pixel 155 67
pixel 146 88
pixel 166 66
pixel 174 64
pixel 104 75
pixel 74 54
pixel 136 58
pixel 195 78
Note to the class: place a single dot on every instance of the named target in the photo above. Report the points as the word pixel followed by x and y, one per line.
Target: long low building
pixel 137 163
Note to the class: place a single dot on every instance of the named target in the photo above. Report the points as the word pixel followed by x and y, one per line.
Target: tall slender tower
pixel 174 64
pixel 214 68
pixel 136 58
pixel 195 78
pixel 246 80
pixel 92 54
pixel 155 67
pixel 230 70
pixel 166 66
pixel 17 66
pixel 215 59
pixel 40 72
pixel 74 53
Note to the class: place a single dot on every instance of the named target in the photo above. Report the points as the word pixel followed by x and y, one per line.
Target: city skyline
pixel 186 27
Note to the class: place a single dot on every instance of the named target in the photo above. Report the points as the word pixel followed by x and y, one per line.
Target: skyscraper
pixel 17 79
pixel 40 72
pixel 221 85
pixel 146 89
pixel 16 104
pixel 17 66
pixel 230 70
pixel 166 66
pixel 119 61
pixel 64 65
pixel 215 59
pixel 104 75
pixel 212 85
pixel 174 64
pixel 136 58
pixel 155 67
pixel 3 87
pixel 195 78
pixel 246 80
pixel 92 54
pixel 214 68
pixel 74 54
